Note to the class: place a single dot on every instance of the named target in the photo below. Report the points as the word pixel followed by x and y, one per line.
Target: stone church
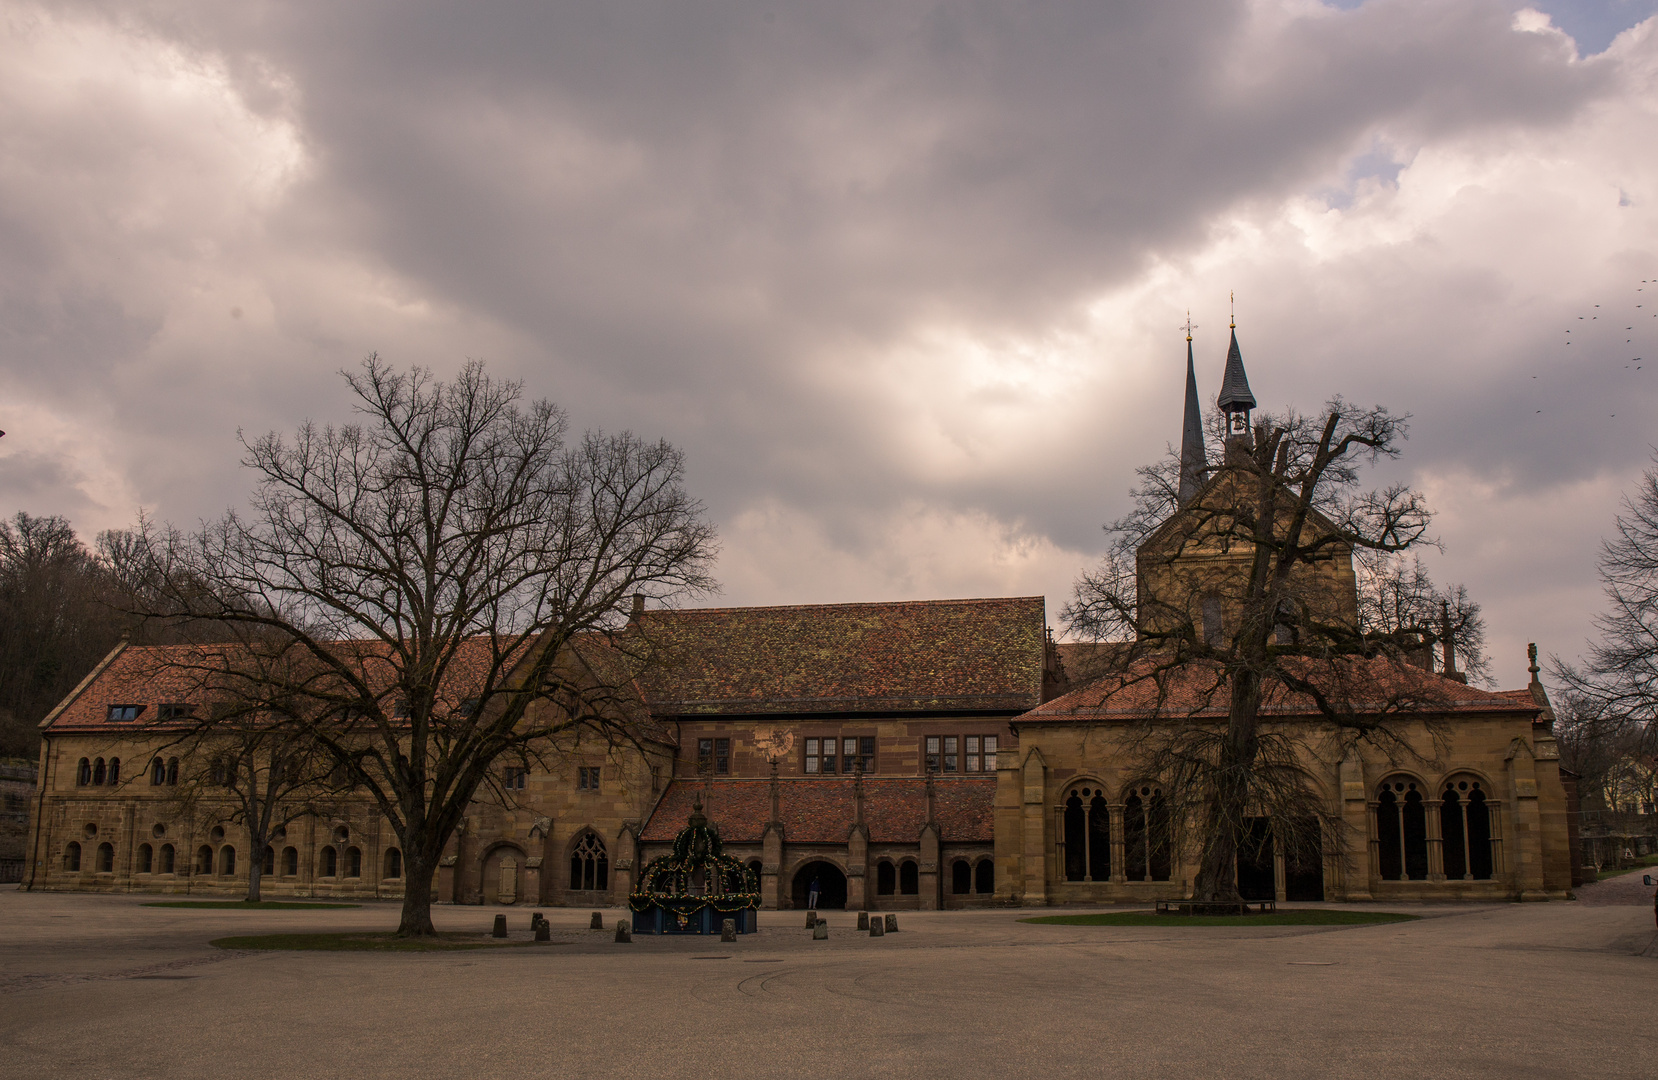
pixel 906 755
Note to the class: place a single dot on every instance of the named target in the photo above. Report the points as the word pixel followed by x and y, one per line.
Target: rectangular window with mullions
pixel 960 753
pixel 843 754
pixel 714 757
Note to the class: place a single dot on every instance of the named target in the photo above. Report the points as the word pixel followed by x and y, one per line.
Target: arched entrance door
pixel 504 877
pixel 831 886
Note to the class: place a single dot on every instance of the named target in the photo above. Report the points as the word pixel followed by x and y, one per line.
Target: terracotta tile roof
pixel 1200 689
pixel 932 655
pixel 822 811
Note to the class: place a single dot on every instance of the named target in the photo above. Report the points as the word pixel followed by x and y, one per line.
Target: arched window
pixel 83 773
pixel 984 877
pixel 106 858
pixel 394 863
pixel 158 772
pixel 1401 831
pixel 909 879
pixel 267 865
pixel 172 770
pixel 961 877
pixel 1146 839
pixel 886 879
pixel 204 860
pixel 72 857
pixel 114 770
pixel 589 865
pixel 98 772
pixel 330 862
pixel 167 857
pixel 1465 823
pixel 227 861
pixel 354 862
pixel 1087 836
pixel 290 862
pixel 146 859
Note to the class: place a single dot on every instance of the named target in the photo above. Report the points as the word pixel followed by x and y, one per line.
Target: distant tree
pixel 418 586
pixel 1236 589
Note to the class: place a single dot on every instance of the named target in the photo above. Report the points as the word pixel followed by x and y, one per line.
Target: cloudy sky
pixel 903 279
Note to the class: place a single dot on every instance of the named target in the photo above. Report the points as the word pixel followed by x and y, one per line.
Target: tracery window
pixel 1465 824
pixel 1401 831
pixel 1146 837
pixel 589 864
pixel 1087 836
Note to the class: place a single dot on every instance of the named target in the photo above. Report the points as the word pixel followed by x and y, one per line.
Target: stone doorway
pixel 503 878
pixel 831 886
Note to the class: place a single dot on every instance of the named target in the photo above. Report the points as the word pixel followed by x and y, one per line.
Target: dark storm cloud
pixel 738 224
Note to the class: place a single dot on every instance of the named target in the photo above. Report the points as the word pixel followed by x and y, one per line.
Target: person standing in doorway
pixel 812 894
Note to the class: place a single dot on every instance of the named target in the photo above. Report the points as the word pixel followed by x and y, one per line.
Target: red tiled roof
pixel 909 656
pixel 1200 689
pixel 822 811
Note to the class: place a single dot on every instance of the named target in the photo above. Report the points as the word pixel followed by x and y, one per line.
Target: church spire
pixel 1194 463
pixel 1235 399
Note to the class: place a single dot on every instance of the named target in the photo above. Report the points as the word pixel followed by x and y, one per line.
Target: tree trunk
pixel 418 871
pixel 256 870
pixel 1217 876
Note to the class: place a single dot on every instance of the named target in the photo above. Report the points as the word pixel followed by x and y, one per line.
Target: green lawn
pixel 361 942
pixel 1643 861
pixel 1294 917
pixel 243 905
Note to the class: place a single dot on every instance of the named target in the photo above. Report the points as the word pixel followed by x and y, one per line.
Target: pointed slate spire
pixel 1194 463
pixel 1234 384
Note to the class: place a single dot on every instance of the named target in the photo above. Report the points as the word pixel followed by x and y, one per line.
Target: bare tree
pixel 1617 682
pixel 419 587
pixel 1232 584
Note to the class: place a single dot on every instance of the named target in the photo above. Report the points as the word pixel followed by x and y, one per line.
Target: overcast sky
pixel 905 280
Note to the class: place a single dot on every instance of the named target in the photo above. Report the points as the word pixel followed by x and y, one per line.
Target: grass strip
pixel 361 942
pixel 243 905
pixel 1639 864
pixel 1294 917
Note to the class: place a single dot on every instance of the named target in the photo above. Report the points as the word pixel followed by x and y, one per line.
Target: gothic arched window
pixel 1402 831
pixel 1465 824
pixel 589 864
pixel 1146 834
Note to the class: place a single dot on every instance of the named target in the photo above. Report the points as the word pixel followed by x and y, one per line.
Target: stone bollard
pixel 877 928
pixel 500 927
pixel 863 920
pixel 811 919
pixel 598 921
pixel 543 931
pixel 820 931
pixel 728 930
pixel 624 933
pixel 892 924
pixel 536 918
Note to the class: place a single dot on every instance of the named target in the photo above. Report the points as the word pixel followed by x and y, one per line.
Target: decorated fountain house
pixel 694 888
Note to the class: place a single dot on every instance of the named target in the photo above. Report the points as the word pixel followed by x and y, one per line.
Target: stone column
pixel 1119 844
pixel 1357 855
pixel 1009 827
pixel 928 868
pixel 1034 854
pixel 857 867
pixel 1436 839
pixel 771 864
pixel 1527 845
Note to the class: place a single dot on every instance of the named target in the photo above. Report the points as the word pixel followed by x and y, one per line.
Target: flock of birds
pixel 1635 363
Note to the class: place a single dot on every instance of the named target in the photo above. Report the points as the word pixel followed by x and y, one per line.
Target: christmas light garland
pixel 667 880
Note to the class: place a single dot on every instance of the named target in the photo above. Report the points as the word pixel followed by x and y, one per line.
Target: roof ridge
pixel 846 604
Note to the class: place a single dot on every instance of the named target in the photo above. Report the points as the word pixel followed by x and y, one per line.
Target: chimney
pixel 1446 646
pixel 638 608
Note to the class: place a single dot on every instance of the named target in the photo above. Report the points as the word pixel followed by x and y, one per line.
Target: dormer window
pixel 121 714
pixel 177 710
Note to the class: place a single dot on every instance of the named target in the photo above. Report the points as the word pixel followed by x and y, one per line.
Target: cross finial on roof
pixel 1190 325
pixel 1232 299
pixel 1531 652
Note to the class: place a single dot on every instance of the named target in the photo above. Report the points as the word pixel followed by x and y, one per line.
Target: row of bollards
pixel 879 926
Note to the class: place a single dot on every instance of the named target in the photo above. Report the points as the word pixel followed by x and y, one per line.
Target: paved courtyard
pixel 100 986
